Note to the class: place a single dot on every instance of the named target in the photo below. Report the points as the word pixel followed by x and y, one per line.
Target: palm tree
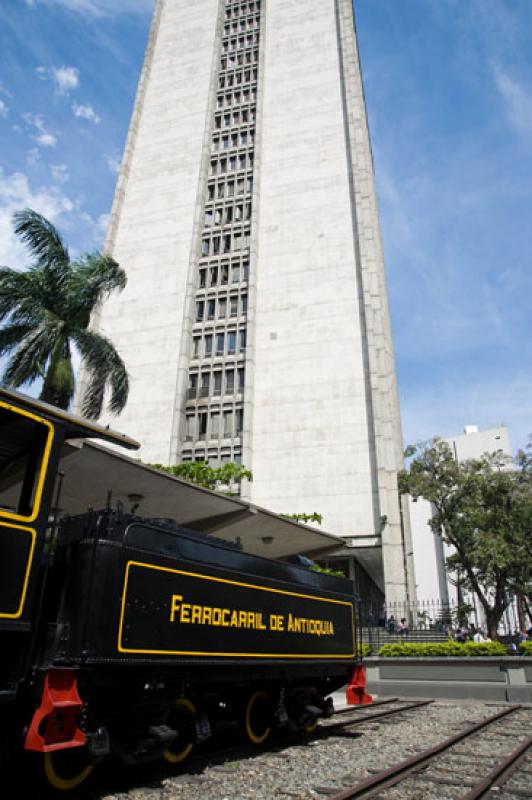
pixel 46 311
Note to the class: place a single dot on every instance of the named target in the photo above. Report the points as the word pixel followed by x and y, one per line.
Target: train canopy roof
pixel 91 472
pixel 76 427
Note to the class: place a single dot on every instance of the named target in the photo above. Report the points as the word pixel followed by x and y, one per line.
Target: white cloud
pixel 517 99
pixel 100 8
pixel 46 139
pixel 65 79
pixel 41 135
pixel 85 112
pixel 98 226
pixel 113 162
pixel 59 173
pixel 16 193
pixel 33 157
pixel 3 109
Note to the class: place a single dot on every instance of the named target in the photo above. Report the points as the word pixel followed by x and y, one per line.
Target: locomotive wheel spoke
pixel 258 717
pixel 182 718
pixel 67 769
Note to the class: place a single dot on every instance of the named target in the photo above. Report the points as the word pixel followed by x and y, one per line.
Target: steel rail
pixel 373 786
pixel 502 773
pixel 324 729
pixel 369 705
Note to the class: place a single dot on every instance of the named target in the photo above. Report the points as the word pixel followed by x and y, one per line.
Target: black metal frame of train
pixel 134 636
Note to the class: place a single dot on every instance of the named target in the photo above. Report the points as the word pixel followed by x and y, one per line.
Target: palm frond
pixel 28 362
pixel 105 366
pixel 94 276
pixel 19 292
pixel 41 237
pixel 11 336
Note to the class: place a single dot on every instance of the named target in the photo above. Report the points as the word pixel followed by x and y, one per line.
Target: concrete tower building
pixel 255 322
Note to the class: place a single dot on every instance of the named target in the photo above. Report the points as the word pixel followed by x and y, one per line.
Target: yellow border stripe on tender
pixel 234 583
pixel 33 534
pixel 43 467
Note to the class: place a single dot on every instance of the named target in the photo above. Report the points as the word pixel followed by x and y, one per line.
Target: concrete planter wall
pixel 505 678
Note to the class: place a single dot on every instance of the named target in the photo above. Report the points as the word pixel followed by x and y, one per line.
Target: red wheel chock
pixel 55 723
pixel 355 694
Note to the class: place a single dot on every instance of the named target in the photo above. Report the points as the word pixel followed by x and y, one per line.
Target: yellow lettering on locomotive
pixel 233 618
pixel 175 606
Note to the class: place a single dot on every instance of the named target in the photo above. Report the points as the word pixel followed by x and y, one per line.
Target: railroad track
pixel 365 714
pixel 502 773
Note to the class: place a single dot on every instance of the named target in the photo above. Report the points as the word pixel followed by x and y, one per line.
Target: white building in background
pixel 255 321
pixel 432 583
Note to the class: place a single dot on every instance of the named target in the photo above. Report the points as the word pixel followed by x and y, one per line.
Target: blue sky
pixel 449 91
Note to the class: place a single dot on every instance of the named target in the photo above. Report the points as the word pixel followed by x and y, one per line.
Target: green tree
pixel 214 478
pixel 483 509
pixel 46 310
pixel 314 517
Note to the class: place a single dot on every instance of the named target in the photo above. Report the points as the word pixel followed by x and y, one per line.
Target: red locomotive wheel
pixel 67 769
pixel 182 718
pixel 258 717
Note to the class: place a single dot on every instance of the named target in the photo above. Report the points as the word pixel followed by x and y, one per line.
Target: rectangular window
pixel 244 304
pixel 205 247
pixel 243 341
pixel 230 381
pixel 217 383
pixel 196 349
pixel 222 307
pixel 22 464
pixel 224 274
pixel 239 421
pixel 215 426
pixel 189 429
pixel 202 426
pixel 211 305
pixel 220 338
pixel 241 379
pixel 233 308
pixel 235 273
pixel 205 381
pixel 228 425
pixel 202 278
pixel 213 278
pixel 208 345
pixel 200 305
pixel 231 343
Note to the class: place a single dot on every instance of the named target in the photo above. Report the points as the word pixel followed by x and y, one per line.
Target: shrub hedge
pixel 526 648
pixel 436 649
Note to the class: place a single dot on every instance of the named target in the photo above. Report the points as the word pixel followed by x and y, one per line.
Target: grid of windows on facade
pixel 214 415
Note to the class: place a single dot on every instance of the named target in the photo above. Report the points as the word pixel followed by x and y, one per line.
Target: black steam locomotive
pixel 134 636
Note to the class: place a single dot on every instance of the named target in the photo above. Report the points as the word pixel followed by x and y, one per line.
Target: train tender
pixel 134 636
